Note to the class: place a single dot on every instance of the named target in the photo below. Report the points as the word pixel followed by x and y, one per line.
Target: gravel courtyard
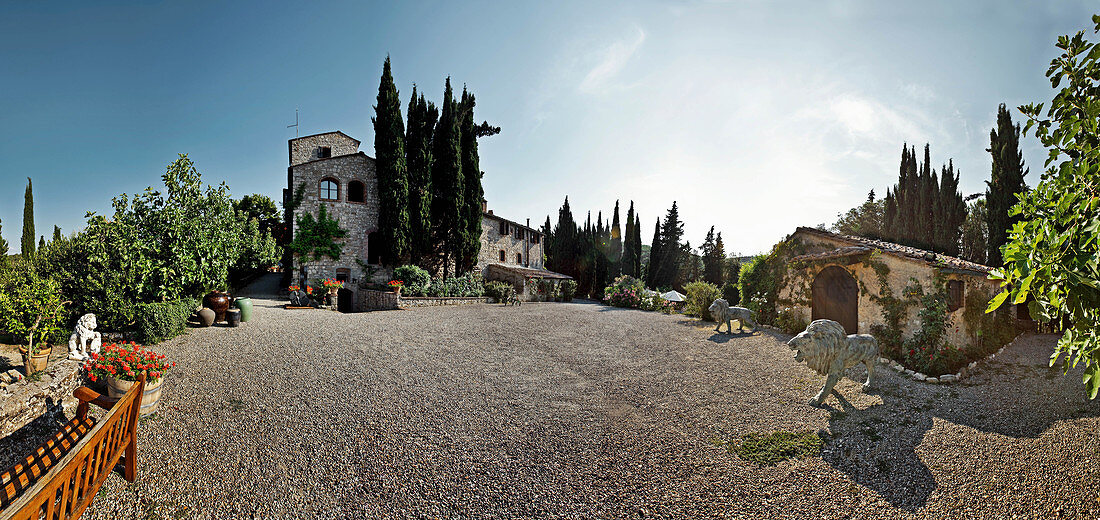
pixel 584 411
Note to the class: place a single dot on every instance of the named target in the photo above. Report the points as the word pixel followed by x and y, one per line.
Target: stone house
pixel 844 278
pixel 330 169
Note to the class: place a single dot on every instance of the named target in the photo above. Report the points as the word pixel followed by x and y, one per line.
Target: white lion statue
pixel 84 339
pixel 723 313
pixel 826 348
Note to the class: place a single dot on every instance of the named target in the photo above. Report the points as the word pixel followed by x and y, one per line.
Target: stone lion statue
pixel 826 348
pixel 84 339
pixel 723 313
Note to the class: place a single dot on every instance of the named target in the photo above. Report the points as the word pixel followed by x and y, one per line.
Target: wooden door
pixel 836 297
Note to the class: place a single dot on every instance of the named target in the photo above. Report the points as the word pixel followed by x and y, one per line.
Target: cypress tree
pixel 41 242
pixel 418 153
pixel 671 249
pixel 27 243
pixel 393 178
pixel 654 267
pixel 447 182
pixel 952 212
pixel 615 255
pixel 720 259
pixel 637 246
pixel 56 233
pixel 1006 181
pixel 470 231
pixel 714 254
pixel 627 261
pixel 563 257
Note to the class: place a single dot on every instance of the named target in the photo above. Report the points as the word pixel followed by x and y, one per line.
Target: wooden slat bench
pixel 61 477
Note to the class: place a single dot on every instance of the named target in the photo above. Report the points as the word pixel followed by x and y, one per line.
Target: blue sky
pixel 755 116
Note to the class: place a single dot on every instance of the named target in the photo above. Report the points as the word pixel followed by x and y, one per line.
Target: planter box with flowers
pixel 120 364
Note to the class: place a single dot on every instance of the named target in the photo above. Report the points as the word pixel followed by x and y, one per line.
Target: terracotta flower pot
pixel 36 363
pixel 118 387
pixel 218 302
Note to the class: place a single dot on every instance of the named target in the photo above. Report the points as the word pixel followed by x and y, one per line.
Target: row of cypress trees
pixel 593 254
pixel 429 178
pixel 923 209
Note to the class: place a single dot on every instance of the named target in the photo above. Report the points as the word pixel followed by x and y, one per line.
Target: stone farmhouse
pixel 337 174
pixel 840 277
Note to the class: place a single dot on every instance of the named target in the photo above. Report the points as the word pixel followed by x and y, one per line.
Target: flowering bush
pixel 626 291
pixel 293 288
pixel 332 283
pixel 127 361
pixel 395 285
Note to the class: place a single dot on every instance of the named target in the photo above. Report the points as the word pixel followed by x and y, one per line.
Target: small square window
pixel 324 152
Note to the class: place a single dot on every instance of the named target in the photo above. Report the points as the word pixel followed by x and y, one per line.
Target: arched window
pixel 330 190
pixel 355 191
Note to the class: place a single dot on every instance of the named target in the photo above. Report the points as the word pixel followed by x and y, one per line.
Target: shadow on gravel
pixel 1020 398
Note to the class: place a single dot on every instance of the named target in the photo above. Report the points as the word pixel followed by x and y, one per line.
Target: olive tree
pixel 1052 253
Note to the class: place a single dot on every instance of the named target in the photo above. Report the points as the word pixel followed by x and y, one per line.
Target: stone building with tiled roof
pixel 332 171
pixel 844 278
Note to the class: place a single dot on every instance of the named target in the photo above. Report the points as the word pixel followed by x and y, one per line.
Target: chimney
pixel 528 222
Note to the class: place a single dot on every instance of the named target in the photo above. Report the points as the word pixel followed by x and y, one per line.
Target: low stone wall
pixel 428 301
pixel 33 409
pixel 371 300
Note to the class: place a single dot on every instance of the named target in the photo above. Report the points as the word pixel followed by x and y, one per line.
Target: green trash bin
pixel 245 305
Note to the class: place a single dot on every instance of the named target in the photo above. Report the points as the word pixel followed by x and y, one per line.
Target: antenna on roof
pixel 295 125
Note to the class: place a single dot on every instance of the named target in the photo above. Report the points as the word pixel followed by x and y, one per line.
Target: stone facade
pixel 821 250
pixel 354 204
pixel 352 199
pixel 51 393
pixel 509 243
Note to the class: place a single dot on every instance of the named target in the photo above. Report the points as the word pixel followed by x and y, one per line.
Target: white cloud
pixel 612 61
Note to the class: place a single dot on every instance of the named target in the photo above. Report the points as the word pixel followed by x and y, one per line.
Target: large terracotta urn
pixel 218 302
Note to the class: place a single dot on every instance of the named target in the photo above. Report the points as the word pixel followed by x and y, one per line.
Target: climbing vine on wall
pixel 762 278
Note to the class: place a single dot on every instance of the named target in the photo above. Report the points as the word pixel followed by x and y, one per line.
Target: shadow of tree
pixel 1017 396
pixel 15 447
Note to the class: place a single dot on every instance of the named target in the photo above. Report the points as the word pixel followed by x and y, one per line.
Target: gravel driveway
pixel 583 411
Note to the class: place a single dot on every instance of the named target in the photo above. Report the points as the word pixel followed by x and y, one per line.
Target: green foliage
pixel 975 234
pixel 160 321
pixel 414 279
pixel 56 233
pixel 760 280
pixel 258 249
pixel 499 291
pixel 731 293
pixel 261 208
pixel 699 297
pixel 470 243
pixel 448 191
pixel 31 307
pixel 422 118
pixel 773 448
pixel 791 321
pixel 1005 183
pixel 568 290
pixel 543 289
pixel 1053 252
pixel 316 239
pixel 466 286
pixel 864 220
pixel 27 242
pixel 3 251
pixel 393 177
pixel 625 291
pixel 922 210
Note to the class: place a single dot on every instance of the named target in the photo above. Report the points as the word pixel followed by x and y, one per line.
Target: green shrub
pixel 771 449
pixel 731 293
pixel 160 321
pixel 699 297
pixel 625 291
pixel 791 321
pixel 31 308
pixel 499 291
pixel 465 286
pixel 568 290
pixel 761 278
pixel 415 279
pixel 543 289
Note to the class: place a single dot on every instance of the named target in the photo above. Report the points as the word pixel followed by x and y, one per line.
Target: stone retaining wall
pixel 371 300
pixel 427 301
pixel 23 402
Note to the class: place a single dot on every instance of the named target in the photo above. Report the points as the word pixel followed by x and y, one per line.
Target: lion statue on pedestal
pixel 723 313
pixel 84 339
pixel 826 348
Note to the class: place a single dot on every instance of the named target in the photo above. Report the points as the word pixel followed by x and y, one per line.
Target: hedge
pixel 160 321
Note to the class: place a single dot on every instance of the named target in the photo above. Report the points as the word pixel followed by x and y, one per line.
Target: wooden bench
pixel 61 477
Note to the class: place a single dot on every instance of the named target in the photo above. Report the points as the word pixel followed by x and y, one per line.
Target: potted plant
pixel 30 308
pixel 120 364
pixel 395 286
pixel 333 285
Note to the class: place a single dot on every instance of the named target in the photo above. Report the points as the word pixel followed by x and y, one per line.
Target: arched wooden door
pixel 836 297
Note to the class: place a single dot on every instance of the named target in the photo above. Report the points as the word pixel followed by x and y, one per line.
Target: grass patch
pixel 773 448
